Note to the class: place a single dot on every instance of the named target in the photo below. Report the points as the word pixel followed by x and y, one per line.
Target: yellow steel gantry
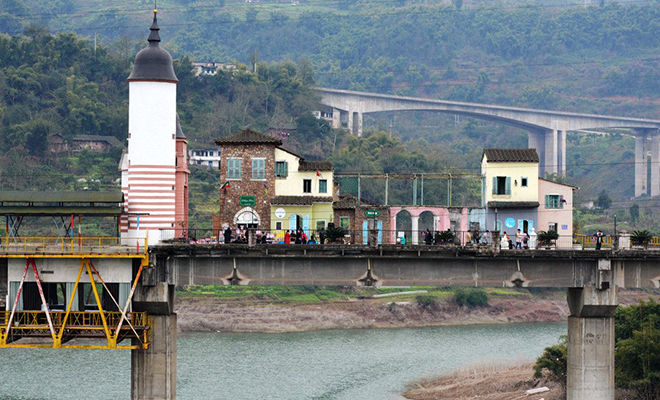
pixel 62 326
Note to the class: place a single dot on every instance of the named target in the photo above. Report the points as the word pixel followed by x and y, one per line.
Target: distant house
pixel 59 144
pixel 212 68
pixel 207 157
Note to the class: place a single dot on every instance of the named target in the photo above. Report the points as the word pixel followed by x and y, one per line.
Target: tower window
pixel 234 168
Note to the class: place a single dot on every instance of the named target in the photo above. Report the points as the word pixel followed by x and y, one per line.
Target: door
pixel 292 222
pixel 380 232
pixel 305 225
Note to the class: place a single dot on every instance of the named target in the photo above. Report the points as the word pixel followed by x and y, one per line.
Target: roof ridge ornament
pixel 154 37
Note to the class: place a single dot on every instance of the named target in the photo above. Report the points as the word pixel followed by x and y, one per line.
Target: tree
pixel 604 201
pixel 37 138
pixel 458 4
pixel 553 363
pixel 634 213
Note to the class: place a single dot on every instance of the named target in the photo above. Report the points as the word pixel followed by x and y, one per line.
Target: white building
pixel 149 167
pixel 207 157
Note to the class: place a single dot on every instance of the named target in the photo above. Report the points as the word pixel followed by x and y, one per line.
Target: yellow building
pixel 303 194
pixel 511 189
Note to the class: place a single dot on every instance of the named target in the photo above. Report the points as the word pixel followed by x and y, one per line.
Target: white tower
pixel 148 168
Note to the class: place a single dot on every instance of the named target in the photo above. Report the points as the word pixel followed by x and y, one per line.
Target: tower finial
pixel 154 37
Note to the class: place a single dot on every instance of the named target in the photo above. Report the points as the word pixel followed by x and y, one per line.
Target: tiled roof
pixel 111 140
pixel 248 136
pixel 299 200
pixel 511 155
pixel 305 165
pixel 513 204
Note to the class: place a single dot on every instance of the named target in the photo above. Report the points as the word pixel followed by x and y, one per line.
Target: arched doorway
pixel 426 221
pixel 403 226
pixel 247 218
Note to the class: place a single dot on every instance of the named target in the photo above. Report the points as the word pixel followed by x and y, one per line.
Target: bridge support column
pixel 655 164
pixel 415 229
pixel 590 374
pixel 537 141
pixel 349 123
pixel 336 118
pixel 153 371
pixel 641 164
pixel 550 159
pixel 561 152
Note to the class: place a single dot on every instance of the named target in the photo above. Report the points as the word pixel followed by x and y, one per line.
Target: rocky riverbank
pixel 253 315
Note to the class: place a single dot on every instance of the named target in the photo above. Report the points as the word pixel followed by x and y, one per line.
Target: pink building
pixel 426 217
pixel 556 208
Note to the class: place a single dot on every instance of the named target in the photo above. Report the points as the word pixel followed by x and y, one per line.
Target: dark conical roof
pixel 153 63
pixel 179 131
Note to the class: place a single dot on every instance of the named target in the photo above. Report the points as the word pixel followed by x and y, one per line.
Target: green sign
pixel 247 201
pixel 371 213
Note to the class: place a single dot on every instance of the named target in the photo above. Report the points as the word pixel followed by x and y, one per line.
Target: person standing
pixel 322 236
pixel 227 235
pixel 518 239
pixel 428 237
pixel 287 237
pixel 599 239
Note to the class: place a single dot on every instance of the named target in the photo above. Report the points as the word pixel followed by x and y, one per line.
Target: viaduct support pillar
pixel 551 159
pixel 336 118
pixel 641 164
pixel 561 152
pixel 537 141
pixel 655 164
pixel 590 374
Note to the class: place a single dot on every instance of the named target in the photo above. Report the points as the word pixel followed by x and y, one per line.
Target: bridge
pixel 547 129
pixel 145 316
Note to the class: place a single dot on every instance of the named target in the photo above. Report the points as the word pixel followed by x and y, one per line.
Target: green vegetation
pixel 553 363
pixel 471 297
pixel 637 335
pixel 425 301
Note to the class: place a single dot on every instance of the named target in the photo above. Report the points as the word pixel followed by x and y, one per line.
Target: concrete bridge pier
pixel 641 163
pixel 154 371
pixel 590 374
pixel 550 145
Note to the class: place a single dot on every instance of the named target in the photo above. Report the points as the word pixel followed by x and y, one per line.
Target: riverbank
pixel 487 381
pixel 224 313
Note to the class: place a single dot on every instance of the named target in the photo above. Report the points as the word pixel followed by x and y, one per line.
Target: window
pixel 278 225
pixel 234 168
pixel 281 169
pixel 523 181
pixel 307 186
pixel 258 168
pixel 323 186
pixel 210 163
pixel 554 201
pixel 344 222
pixel 320 225
pixel 552 226
pixel 501 185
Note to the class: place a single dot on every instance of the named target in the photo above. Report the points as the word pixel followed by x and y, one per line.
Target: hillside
pixel 557 55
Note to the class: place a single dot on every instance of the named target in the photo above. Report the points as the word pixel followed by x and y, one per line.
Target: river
pixel 327 365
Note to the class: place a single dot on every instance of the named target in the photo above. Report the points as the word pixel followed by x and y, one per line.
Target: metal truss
pixel 62 327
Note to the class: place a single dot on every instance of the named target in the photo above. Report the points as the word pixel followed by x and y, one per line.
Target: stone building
pixel 247 175
pixel 350 215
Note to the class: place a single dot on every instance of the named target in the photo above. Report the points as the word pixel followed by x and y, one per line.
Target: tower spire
pixel 154 37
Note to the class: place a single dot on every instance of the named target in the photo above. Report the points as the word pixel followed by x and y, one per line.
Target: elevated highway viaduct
pixel 590 277
pixel 547 128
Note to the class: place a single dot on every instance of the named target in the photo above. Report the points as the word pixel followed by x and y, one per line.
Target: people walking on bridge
pixel 519 237
pixel 227 235
pixel 599 239
pixel 428 237
pixel 525 241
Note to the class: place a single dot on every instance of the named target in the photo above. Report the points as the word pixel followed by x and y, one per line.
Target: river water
pixel 327 365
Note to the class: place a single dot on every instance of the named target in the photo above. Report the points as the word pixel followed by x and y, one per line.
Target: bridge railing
pixel 76 246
